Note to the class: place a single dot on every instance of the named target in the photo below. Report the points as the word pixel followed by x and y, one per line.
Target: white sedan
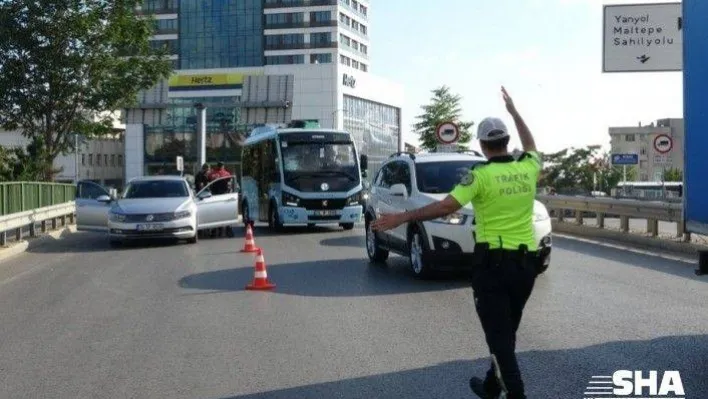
pixel 156 207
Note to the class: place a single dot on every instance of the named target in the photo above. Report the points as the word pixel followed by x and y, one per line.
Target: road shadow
pixel 353 241
pixel 89 242
pixel 552 374
pixel 329 278
pixel 646 261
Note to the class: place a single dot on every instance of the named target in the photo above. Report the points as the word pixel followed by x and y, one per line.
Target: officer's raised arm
pixel 525 135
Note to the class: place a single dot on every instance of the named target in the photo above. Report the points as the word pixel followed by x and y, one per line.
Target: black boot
pixel 485 389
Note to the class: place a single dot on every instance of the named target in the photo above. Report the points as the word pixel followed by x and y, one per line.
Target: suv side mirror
pixel 399 190
pixel 364 162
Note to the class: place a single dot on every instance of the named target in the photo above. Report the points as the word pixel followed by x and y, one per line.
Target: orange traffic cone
pixel 260 278
pixel 250 245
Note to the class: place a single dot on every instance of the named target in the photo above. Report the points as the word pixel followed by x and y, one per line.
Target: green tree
pixel 673 174
pixel 610 174
pixel 65 63
pixel 582 170
pixel 444 107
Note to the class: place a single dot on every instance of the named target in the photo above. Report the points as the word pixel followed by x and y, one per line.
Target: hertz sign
pixel 208 81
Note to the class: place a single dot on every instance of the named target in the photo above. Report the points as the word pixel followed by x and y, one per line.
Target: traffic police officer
pixel 502 192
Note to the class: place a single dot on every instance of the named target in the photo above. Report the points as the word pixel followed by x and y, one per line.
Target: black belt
pixel 485 255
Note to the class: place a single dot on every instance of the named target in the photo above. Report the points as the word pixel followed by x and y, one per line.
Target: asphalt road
pixel 78 320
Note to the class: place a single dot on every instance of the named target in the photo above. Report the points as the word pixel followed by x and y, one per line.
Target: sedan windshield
pixel 156 189
pixel 441 177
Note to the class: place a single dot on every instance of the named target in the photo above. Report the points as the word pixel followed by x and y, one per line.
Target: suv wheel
pixel 417 254
pixel 375 253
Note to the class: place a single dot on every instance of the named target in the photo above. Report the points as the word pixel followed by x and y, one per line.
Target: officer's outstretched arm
pixel 433 211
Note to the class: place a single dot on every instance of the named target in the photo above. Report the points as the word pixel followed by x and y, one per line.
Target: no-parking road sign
pixel 447 133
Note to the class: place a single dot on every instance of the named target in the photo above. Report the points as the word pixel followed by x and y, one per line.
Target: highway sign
pixel 180 163
pixel 625 159
pixel 447 133
pixel 663 143
pixel 642 38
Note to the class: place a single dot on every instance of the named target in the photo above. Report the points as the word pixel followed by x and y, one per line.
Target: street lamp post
pixel 201 133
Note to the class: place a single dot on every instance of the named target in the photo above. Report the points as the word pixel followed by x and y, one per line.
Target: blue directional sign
pixel 625 159
pixel 695 91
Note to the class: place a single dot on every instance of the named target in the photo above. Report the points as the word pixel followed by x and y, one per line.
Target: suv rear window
pixel 441 177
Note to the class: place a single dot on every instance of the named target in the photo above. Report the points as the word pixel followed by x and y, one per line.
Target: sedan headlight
pixel 182 215
pixel 290 200
pixel 115 216
pixel 456 218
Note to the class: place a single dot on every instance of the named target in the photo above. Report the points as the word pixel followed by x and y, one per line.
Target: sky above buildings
pixel 548 54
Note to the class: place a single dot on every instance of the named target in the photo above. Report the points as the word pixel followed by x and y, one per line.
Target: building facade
pixel 250 62
pixel 99 160
pixel 640 140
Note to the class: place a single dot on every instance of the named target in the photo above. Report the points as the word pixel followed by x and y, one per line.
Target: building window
pixel 98 159
pixel 160 5
pixel 290 19
pixel 170 45
pixel 221 34
pixel 83 159
pixel 175 135
pixel 285 42
pixel 120 160
pixel 113 159
pixel 366 119
pixel 105 159
pixel 285 59
pixel 163 26
pixel 643 151
pixel 91 159
pixel 629 137
pixel 321 58
pixel 321 38
pixel 364 67
pixel 320 16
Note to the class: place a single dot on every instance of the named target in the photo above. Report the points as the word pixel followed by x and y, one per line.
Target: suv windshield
pixel 156 189
pixel 441 177
pixel 306 165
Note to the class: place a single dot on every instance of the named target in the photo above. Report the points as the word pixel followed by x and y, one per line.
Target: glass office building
pixel 218 45
pixel 220 34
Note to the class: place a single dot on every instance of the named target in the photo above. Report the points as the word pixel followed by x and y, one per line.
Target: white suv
pixel 408 181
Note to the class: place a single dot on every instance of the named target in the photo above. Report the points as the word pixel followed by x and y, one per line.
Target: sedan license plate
pixel 325 213
pixel 150 227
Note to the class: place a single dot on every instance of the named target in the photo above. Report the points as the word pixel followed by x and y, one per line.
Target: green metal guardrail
pixel 25 196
